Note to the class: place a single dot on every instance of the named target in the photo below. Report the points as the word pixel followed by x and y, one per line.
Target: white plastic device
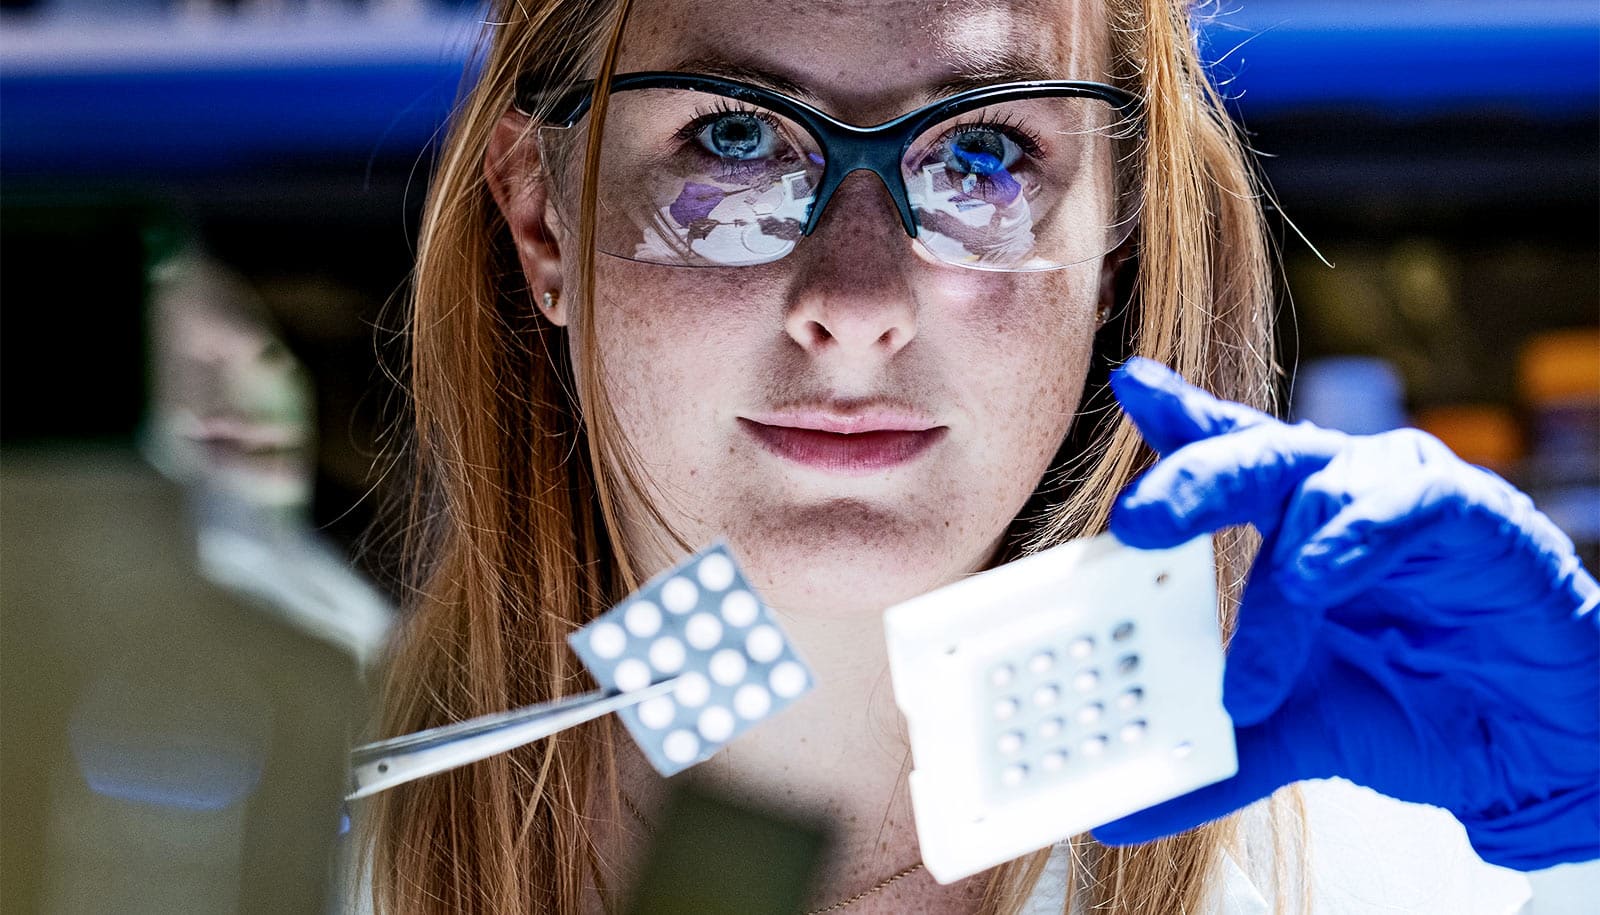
pixel 1057 693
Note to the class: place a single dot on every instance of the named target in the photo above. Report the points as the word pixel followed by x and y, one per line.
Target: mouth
pixel 854 453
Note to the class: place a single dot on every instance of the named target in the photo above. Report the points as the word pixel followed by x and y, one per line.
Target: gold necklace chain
pixel 844 904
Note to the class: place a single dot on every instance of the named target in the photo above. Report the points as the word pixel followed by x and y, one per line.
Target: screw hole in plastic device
pixel 1161 579
pixel 382 768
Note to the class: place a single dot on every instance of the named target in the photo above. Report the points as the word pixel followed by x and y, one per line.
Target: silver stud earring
pixel 1103 315
pixel 549 301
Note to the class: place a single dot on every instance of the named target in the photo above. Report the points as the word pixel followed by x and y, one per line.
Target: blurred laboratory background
pixel 207 217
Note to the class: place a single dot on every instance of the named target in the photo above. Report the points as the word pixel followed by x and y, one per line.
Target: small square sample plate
pixel 1057 693
pixel 702 623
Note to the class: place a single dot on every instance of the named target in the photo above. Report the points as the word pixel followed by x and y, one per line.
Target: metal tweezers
pixel 382 765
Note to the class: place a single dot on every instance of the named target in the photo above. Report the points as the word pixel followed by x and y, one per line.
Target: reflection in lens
pixel 1020 185
pixel 689 178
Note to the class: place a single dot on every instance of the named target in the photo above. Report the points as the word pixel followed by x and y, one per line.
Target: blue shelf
pixel 164 98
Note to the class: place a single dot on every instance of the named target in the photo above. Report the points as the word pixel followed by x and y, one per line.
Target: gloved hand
pixel 1411 623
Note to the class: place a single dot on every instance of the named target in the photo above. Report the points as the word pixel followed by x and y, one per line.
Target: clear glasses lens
pixel 690 178
pixel 694 179
pixel 1021 185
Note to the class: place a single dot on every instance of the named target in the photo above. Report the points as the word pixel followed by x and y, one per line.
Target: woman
pixel 696 329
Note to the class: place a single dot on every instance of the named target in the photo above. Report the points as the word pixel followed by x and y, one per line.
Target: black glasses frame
pixel 846 148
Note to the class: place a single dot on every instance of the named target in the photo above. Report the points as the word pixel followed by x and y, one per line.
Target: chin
pixel 847 559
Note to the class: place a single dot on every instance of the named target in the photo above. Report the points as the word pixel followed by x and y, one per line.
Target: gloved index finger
pixel 1170 412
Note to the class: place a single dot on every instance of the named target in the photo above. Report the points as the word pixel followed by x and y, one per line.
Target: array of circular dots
pixel 608 640
pixel 1086 680
pixel 679 595
pixel 657 713
pixel 715 572
pixel 764 644
pixel 1046 695
pixel 1001 676
pixel 680 746
pixel 703 631
pixel 1005 708
pixel 692 690
pixel 716 724
pixel 1041 662
pixel 643 619
pixel 739 608
pixel 787 679
pixel 1081 648
pixel 632 674
pixel 1123 632
pixel 1009 742
pixel 727 667
pixel 1090 713
pixel 752 701
pixel 666 654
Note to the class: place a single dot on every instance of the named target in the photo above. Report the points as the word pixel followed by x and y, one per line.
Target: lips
pixel 855 453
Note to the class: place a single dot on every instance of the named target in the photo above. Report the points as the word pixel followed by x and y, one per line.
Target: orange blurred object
pixel 1484 434
pixel 1560 367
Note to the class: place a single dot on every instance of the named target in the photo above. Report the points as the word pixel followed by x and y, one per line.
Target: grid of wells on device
pixel 1063 703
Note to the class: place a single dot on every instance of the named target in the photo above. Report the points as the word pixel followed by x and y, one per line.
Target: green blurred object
pixel 715 857
pixel 170 746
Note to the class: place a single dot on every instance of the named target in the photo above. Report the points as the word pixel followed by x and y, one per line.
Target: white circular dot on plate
pixel 739 608
pixel 716 724
pixel 608 640
pixel 666 654
pixel 752 701
pixel 1013 776
pixel 1053 760
pixel 632 674
pixel 692 690
pixel 1001 676
pixel 764 644
pixel 788 679
pixel 715 572
pixel 643 619
pixel 1041 662
pixel 679 595
pixel 1050 727
pixel 1183 749
pixel 1005 708
pixel 1132 731
pixel 728 667
pixel 1130 699
pixel 1090 713
pixel 1094 746
pixel 680 746
pixel 1081 648
pixel 1009 742
pixel 703 631
pixel 1046 695
pixel 657 713
pixel 1086 680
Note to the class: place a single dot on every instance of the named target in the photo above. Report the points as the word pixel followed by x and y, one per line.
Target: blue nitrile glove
pixel 1411 623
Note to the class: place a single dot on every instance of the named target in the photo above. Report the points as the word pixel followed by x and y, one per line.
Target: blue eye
pixel 739 136
pixel 980 152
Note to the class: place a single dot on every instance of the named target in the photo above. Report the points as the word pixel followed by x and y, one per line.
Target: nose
pixel 850 295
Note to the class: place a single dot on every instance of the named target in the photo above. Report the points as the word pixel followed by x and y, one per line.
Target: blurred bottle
pixel 1558 381
pixel 1361 395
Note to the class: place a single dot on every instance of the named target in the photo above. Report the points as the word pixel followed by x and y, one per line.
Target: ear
pixel 1111 272
pixel 521 190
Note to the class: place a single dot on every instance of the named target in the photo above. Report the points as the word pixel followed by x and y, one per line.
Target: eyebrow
pixel 1004 66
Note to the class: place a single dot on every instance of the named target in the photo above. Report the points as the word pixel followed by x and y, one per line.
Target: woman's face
pixel 861 423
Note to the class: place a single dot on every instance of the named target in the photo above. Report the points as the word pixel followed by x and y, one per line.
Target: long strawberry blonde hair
pixel 516 490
